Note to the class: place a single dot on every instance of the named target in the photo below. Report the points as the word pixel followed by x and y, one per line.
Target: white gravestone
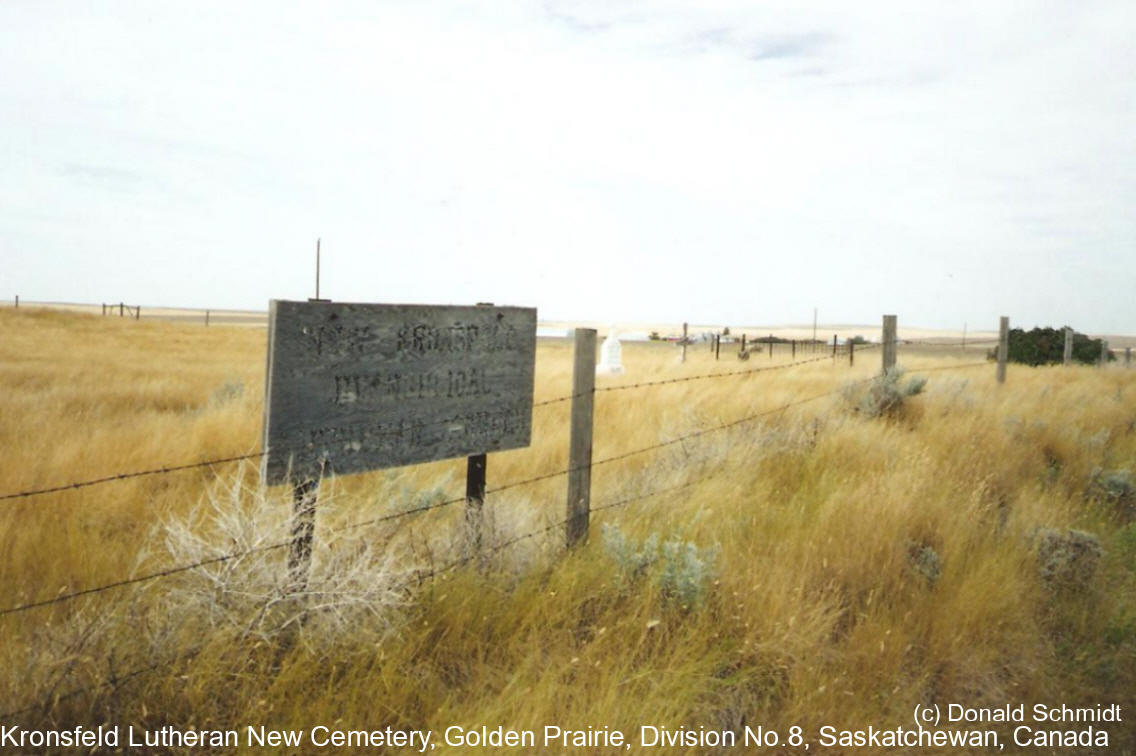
pixel 610 362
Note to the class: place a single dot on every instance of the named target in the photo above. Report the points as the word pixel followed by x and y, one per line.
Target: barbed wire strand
pixel 699 377
pixel 423 576
pixel 377 520
pixel 118 680
pixel 968 342
pixel 396 515
pixel 951 367
pixel 166 469
pixel 419 578
pixel 51 701
pixel 124 476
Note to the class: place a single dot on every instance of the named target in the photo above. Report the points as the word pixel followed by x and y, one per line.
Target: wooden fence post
pixel 207 318
pixel 138 312
pixel 834 346
pixel 1068 356
pixel 684 342
pixel 104 309
pixel 303 527
pixel 717 344
pixel 890 342
pixel 1003 347
pixel 1127 357
pixel 794 353
pixel 1104 353
pixel 770 346
pixel 17 301
pixel 475 498
pixel 121 309
pixel 580 440
pixel 851 353
pixel 742 350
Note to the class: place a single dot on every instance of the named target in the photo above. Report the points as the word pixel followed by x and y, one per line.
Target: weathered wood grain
pixel 580 438
pixel 890 342
pixel 355 387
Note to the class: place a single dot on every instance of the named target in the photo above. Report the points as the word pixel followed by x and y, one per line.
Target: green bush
pixel 682 571
pixel 1046 346
pixel 631 559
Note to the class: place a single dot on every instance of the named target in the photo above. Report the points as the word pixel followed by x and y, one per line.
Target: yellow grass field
pixel 810 567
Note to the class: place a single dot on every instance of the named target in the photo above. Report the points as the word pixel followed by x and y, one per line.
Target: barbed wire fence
pixel 481 551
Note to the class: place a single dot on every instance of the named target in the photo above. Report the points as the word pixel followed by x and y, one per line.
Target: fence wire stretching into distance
pixel 418 579
pixel 178 467
pixel 173 570
pixel 420 576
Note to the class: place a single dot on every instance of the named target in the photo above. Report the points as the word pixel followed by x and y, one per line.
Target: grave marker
pixel 611 361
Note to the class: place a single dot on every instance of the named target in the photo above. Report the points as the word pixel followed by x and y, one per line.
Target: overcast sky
pixel 723 162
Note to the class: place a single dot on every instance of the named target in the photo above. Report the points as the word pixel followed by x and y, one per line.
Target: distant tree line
pixel 1046 346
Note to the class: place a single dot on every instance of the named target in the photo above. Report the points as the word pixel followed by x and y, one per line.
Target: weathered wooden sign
pixel 354 387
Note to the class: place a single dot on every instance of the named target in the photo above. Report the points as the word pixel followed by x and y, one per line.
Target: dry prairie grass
pixel 816 605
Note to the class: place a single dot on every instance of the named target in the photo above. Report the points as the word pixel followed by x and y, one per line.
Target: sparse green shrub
pixel 924 561
pixel 408 499
pixel 1114 487
pixel 686 572
pixel 1067 559
pixel 885 394
pixel 226 393
pixel 631 559
pixel 682 571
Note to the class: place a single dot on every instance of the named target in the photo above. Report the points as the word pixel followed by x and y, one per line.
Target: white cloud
pixel 513 151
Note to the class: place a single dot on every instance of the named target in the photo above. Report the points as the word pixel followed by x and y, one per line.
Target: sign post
pixel 475 497
pixel 304 494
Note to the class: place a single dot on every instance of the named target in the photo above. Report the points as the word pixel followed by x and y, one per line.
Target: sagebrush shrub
pixel 681 570
pixel 884 394
pixel 1115 487
pixel 354 581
